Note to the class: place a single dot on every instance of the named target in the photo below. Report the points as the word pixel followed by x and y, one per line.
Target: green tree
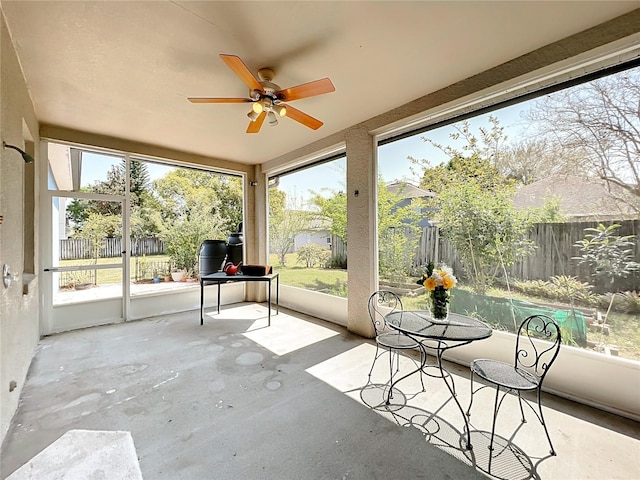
pixel 459 169
pixel 334 208
pixel 284 224
pixel 96 228
pixel 112 185
pixel 487 145
pixel 398 232
pixel 477 159
pixel 474 207
pixel 183 241
pixel 77 213
pixel 141 201
pixel 194 206
pixel 549 212
pixel 144 217
pixel 485 229
pixel 184 192
pixel 139 181
pixel 608 255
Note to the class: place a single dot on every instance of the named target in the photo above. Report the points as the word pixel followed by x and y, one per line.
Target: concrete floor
pixel 234 399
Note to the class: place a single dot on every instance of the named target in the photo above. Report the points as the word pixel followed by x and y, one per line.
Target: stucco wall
pixel 19 315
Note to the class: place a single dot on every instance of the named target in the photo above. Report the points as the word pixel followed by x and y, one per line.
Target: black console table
pixel 220 277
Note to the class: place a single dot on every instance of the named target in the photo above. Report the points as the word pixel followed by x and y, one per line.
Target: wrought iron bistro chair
pixel 531 364
pixel 387 339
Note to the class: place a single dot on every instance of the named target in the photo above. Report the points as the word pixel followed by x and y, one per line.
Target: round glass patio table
pixel 439 336
pixel 420 324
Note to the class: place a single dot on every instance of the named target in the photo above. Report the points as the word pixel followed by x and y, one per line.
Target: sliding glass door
pixel 84 248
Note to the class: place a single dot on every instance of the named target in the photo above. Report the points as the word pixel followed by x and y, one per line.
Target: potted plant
pixel 167 273
pixel 177 274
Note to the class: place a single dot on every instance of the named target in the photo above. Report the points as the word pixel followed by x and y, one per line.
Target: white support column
pixel 255 226
pixel 362 252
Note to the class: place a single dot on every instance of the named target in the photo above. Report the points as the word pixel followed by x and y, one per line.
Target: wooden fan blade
pixel 218 100
pixel 254 127
pixel 303 118
pixel 305 90
pixel 241 70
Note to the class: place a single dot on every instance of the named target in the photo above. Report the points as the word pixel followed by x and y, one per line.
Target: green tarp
pixel 510 313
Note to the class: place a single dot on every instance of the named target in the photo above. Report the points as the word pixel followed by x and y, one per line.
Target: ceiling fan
pixel 267 99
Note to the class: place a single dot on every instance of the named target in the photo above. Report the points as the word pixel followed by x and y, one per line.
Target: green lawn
pixel 146 266
pixel 331 281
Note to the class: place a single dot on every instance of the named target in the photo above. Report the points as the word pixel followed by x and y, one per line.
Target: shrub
pixel 534 288
pixel 626 302
pixel 560 287
pixel 338 261
pixel 312 255
pixel 608 256
pixel 630 301
pixel 571 289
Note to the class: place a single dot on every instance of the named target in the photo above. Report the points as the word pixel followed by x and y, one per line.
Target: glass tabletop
pixel 420 323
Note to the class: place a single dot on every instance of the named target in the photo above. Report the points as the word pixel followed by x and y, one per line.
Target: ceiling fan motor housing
pixel 266 75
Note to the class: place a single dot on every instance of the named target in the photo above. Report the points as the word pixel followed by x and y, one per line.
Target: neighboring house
pixel 580 199
pixel 408 193
pixel 316 232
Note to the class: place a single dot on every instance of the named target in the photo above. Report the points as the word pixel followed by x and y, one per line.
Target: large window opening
pixel 308 225
pixel 534 207
pixel 124 227
pixel 173 210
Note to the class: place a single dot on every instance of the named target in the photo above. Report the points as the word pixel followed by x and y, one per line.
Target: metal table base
pixel 220 278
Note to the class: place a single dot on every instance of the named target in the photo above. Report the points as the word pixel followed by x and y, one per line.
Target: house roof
pixel 407 190
pixel 579 197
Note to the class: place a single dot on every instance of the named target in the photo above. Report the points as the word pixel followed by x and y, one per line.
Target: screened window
pixel 535 208
pixel 308 226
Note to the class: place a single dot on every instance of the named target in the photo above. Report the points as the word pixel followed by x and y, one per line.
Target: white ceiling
pixel 125 69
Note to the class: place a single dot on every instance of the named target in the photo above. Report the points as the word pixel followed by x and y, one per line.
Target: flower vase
pixel 440 303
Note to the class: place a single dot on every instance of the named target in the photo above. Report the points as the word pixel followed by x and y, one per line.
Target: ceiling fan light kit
pixel 257 107
pixel 253 115
pixel 273 120
pixel 273 108
pixel 280 110
pixel 267 98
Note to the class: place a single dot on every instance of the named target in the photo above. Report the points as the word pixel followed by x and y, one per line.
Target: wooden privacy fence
pixel 338 248
pixel 81 248
pixel 552 256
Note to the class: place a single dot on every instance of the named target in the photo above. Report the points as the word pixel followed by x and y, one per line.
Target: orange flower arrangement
pixel 438 283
